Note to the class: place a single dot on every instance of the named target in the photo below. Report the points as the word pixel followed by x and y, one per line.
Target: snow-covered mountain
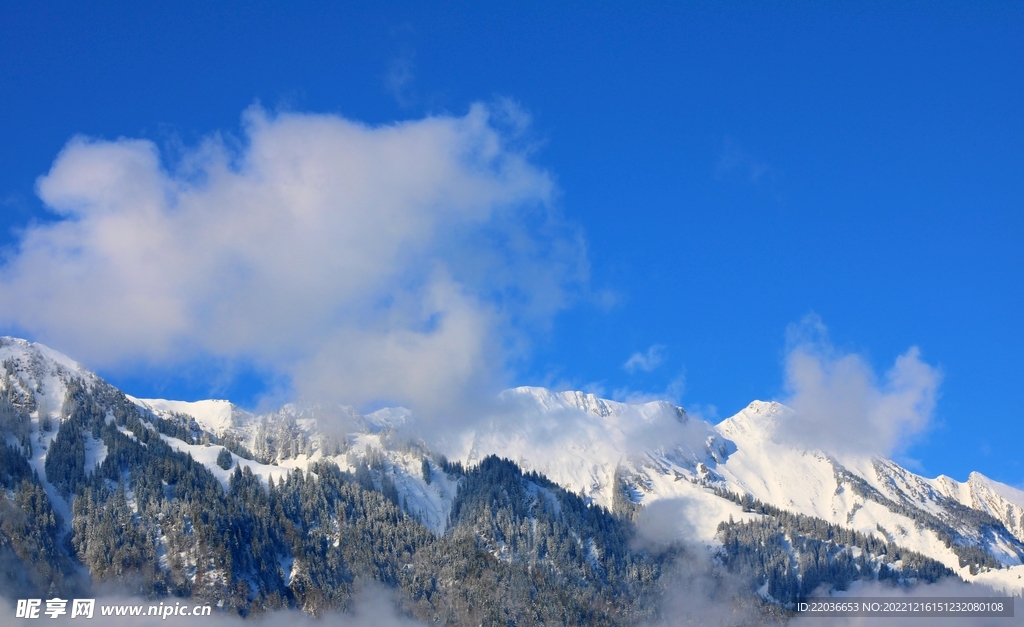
pixel 660 454
pixel 613 454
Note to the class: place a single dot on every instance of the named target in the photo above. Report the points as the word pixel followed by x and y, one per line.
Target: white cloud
pixel 673 392
pixel 646 361
pixel 403 263
pixel 841 406
pixel 400 76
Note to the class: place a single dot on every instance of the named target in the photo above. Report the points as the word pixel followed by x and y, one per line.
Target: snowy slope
pixel 667 459
pixel 810 482
pixel 38 375
pixel 214 416
pixel 207 456
pixel 580 441
pixel 980 492
pixel 273 437
pixel 36 378
pixel 651 454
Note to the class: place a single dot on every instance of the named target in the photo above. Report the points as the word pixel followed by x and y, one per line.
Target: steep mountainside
pixel 546 511
pixel 973 528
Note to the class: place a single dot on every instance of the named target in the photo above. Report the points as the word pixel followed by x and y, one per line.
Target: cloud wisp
pixel 404 263
pixel 839 404
pixel 400 76
pixel 646 361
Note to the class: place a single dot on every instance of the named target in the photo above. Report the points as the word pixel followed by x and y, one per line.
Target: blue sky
pixel 726 169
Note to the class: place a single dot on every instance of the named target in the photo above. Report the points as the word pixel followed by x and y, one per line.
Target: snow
pixel 42 373
pixel 1007 580
pixel 25 351
pixel 207 456
pixel 1013 495
pixel 996 499
pixel 387 418
pixel 95 452
pixel 688 511
pixel 430 503
pixel 41 441
pixel 288 568
pixel 578 440
pixel 215 416
pixel 787 477
pixel 669 460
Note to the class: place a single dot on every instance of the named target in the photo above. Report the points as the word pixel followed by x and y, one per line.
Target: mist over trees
pixel 153 521
pixel 517 549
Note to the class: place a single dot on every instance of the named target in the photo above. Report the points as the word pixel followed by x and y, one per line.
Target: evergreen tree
pixel 425 469
pixel 224 459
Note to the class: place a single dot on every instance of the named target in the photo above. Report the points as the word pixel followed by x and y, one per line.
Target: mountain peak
pixel 592 404
pixel 767 408
pixel 43 357
pixel 757 421
pixel 39 375
pixel 213 415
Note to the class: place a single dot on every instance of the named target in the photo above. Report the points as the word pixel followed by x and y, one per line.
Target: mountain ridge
pixel 628 458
